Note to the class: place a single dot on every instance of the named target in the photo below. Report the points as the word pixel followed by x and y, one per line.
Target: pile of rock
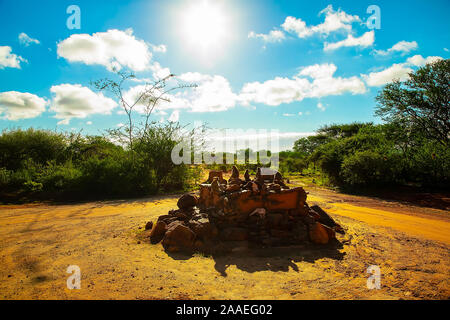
pixel 262 211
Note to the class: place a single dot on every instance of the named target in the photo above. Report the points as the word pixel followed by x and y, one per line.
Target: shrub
pixel 38 145
pixel 63 178
pixel 369 168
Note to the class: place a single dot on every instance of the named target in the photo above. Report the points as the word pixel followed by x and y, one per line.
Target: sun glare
pixel 204 26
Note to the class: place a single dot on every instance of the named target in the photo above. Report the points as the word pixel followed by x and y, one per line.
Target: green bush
pixel 369 168
pixel 5 177
pixel 43 164
pixel 63 178
pixel 40 146
pixel 115 177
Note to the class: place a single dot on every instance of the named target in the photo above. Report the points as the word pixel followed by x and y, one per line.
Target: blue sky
pixel 287 65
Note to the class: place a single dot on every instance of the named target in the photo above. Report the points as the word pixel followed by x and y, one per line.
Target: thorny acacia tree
pixel 149 95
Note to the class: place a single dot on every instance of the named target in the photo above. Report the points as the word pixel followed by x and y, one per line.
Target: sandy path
pixel 39 242
pixel 432 227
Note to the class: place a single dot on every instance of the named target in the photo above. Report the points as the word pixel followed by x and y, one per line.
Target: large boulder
pixel 326 219
pixel 320 234
pixel 203 228
pixel 158 231
pixel 178 237
pixel 187 201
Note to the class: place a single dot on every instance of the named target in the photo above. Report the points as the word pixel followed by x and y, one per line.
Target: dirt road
pixel 38 243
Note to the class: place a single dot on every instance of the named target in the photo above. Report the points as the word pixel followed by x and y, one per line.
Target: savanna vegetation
pixel 132 160
pixel 411 146
pixel 44 164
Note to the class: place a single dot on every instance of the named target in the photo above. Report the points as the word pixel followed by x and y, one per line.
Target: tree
pixel 308 145
pixel 336 131
pixel 148 96
pixel 421 103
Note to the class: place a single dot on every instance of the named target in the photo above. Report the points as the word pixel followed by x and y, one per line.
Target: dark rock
pixel 216 174
pixel 247 176
pixel 158 231
pixel 234 173
pixel 318 233
pixel 187 201
pixel 178 237
pixel 233 188
pixel 202 228
pixel 300 231
pixel 234 179
pixel 149 225
pixel 182 215
pixel 325 219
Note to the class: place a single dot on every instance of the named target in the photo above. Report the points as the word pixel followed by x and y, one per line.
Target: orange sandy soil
pixel 106 240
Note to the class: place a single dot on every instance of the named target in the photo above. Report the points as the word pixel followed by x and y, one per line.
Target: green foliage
pixel 342 130
pixel 422 103
pixel 369 168
pixel 55 177
pixel 411 147
pixel 293 165
pixel 308 145
pixel 40 146
pixel 43 164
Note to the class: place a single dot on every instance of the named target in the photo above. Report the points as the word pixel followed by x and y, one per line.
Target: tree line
pixel 411 146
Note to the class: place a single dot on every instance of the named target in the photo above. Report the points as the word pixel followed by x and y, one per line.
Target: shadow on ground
pixel 274 259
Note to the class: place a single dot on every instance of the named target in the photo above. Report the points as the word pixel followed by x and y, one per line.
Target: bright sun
pixel 204 26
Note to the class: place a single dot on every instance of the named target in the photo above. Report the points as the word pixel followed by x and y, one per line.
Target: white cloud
pixel 286 90
pixel 160 48
pixel 402 46
pixel 158 71
pixel 75 101
pixel 89 123
pixel 175 116
pixel 275 92
pixel 321 106
pixel 193 77
pixel 324 70
pixel 399 71
pixel 20 105
pixel 366 40
pixel 213 93
pixel 272 36
pixel 298 26
pixel 420 61
pixel 112 49
pixel 9 59
pixel 334 21
pixel 134 96
pixel 396 71
pixel 331 86
pixel 288 114
pixel 25 40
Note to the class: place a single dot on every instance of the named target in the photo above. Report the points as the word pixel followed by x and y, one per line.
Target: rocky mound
pixel 262 211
